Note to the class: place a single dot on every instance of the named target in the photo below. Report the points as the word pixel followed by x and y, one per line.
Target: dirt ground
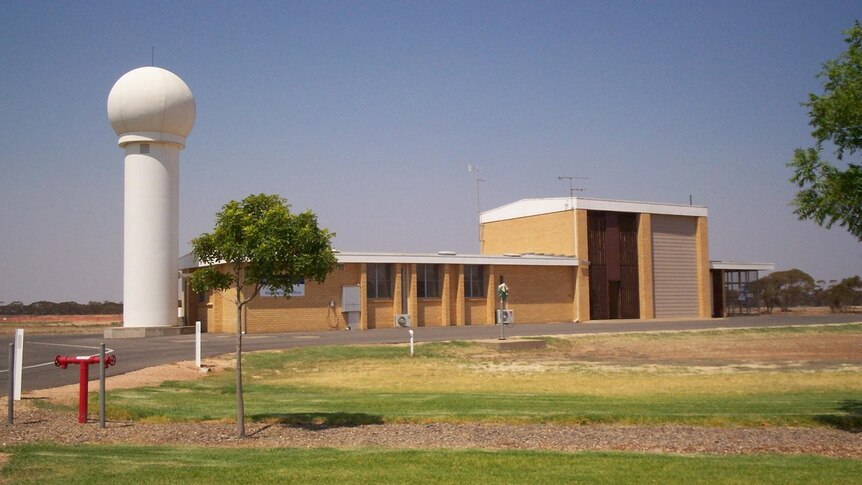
pixel 57 324
pixel 33 423
pixel 806 351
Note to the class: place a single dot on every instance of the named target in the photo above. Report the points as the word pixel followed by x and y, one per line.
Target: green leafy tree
pixel 259 243
pixel 785 288
pixel 827 194
pixel 841 295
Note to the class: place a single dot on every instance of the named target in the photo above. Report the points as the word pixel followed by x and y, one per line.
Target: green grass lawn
pixel 462 382
pixel 639 378
pixel 143 465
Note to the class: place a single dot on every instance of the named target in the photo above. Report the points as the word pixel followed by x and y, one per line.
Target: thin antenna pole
pixel 473 168
pixel 572 188
pixel 153 57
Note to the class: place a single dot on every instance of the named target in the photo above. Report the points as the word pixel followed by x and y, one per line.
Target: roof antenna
pixel 689 200
pixel 153 57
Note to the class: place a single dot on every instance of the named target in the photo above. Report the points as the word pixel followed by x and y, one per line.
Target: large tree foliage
pixel 839 296
pixel 827 194
pixel 784 288
pixel 262 244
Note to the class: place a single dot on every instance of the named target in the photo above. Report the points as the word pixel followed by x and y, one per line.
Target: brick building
pixel 564 259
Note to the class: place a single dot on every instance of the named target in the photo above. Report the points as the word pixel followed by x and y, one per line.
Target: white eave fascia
pixel 478 259
pixel 534 207
pixel 741 266
pixel 190 262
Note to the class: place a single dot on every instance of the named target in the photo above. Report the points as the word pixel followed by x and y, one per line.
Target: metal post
pixel 102 385
pixel 11 406
pixel 500 318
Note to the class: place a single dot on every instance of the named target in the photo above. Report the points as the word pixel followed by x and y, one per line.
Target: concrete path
pixel 134 354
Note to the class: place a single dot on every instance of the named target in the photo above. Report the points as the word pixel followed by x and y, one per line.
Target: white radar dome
pixel 151 104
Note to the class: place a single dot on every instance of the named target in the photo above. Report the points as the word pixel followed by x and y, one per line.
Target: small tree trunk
pixel 240 406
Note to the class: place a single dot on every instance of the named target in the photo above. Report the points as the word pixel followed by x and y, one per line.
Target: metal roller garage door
pixel 674 266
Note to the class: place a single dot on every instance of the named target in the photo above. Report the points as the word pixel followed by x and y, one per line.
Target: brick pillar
pixel 446 298
pixel 460 318
pixel 413 303
pixel 704 283
pixel 582 285
pixel 363 298
pixel 645 267
pixel 396 291
pixel 491 296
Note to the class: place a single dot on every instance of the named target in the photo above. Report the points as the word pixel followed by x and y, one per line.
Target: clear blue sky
pixel 369 112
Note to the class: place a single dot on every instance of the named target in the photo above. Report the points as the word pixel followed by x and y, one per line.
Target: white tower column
pixel 151 235
pixel 152 111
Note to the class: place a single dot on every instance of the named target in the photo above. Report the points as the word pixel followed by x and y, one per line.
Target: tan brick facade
pixel 539 294
pixel 549 233
pixel 554 231
pixel 550 288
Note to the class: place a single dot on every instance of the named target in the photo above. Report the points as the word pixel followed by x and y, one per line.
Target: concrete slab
pixel 143 332
pixel 509 345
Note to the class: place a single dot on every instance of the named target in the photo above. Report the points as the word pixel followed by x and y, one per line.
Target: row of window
pixel 428 281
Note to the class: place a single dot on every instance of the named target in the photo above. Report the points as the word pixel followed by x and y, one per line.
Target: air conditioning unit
pixel 403 320
pixel 506 317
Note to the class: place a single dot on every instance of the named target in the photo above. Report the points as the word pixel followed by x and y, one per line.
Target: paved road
pixel 134 354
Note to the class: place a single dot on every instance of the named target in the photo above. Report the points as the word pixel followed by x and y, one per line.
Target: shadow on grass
pixel 851 420
pixel 316 421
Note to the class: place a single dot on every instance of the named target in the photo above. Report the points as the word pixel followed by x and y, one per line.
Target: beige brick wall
pixel 430 314
pixel 304 313
pixel 380 314
pixel 546 233
pixel 539 294
pixel 475 312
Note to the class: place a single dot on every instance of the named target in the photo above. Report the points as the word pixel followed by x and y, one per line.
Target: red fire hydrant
pixel 85 361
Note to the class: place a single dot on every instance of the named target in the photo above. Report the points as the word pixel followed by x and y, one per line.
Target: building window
pixel 474 281
pixel 428 281
pixel 379 280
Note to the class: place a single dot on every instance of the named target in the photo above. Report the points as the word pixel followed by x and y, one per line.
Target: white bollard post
pixel 411 342
pixel 198 344
pixel 19 361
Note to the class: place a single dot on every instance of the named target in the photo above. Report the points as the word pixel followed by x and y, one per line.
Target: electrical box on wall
pixel 350 299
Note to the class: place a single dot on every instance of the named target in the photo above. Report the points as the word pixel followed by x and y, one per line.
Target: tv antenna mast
pixel 572 188
pixel 471 169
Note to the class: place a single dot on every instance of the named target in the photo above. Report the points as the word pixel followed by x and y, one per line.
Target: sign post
pixel 11 395
pixel 503 293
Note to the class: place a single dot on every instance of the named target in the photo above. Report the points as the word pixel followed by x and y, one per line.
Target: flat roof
pixel 443 257
pixel 449 257
pixel 741 266
pixel 533 207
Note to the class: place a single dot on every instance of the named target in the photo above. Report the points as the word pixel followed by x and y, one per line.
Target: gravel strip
pixel 35 425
